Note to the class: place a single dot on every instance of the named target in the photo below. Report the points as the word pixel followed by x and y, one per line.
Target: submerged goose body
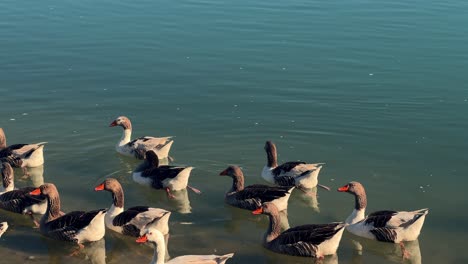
pixel 155 236
pixel 21 155
pixel 170 178
pixel 76 226
pixel 131 222
pixel 387 225
pixel 315 240
pixel 294 173
pixel 137 147
pixel 252 196
pixel 19 200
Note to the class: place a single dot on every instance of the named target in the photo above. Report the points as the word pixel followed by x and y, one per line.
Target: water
pixel 375 89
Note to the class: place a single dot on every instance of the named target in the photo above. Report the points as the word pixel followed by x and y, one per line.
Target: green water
pixel 376 89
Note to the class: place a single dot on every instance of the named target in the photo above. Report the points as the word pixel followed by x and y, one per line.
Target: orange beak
pixel 258 211
pixel 37 191
pixel 142 239
pixel 113 124
pixel 344 188
pixel 224 172
pixel 100 187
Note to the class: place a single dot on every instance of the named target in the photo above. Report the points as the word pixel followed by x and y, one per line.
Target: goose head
pixel 267 209
pixel 232 171
pixel 122 121
pixel 110 185
pixel 354 188
pixel 47 189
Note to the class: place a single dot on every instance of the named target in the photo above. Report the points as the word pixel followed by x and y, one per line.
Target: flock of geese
pixel 152 224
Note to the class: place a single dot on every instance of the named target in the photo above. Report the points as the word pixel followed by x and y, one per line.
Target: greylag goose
pixel 293 173
pixel 155 236
pixel 137 147
pixel 3 228
pixel 170 178
pixel 252 196
pixel 76 226
pixel 386 226
pixel 131 221
pixel 314 240
pixel 19 201
pixel 21 155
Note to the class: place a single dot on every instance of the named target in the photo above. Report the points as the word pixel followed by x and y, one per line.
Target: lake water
pixel 376 89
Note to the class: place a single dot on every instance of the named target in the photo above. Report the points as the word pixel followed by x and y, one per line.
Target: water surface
pixel 375 89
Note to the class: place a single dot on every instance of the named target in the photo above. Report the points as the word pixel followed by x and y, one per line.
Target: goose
pixel 293 173
pixel 131 221
pixel 19 201
pixel 386 226
pixel 252 196
pixel 3 228
pixel 76 226
pixel 313 240
pixel 21 155
pixel 155 236
pixel 137 147
pixel 170 178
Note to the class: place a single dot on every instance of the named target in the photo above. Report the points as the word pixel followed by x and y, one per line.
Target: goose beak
pixel 344 188
pixel 142 239
pixel 100 187
pixel 224 172
pixel 258 211
pixel 37 191
pixel 113 124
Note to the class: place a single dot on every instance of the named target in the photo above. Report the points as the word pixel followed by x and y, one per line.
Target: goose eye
pixel 150 233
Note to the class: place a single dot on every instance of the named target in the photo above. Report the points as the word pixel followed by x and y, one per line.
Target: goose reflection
pixel 309 198
pixel 390 251
pixel 35 175
pixel 273 258
pixel 93 252
pixel 180 202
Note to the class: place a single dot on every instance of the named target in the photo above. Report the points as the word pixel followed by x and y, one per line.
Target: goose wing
pixel 304 240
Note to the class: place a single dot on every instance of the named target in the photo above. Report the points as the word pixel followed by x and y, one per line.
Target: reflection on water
pixel 389 251
pixel 274 258
pixel 35 176
pixel 95 252
pixel 308 198
pixel 180 202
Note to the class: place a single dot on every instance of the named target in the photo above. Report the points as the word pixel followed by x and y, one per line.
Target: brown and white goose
pixel 137 147
pixel 131 221
pixel 21 155
pixel 3 228
pixel 170 178
pixel 314 240
pixel 386 226
pixel 293 173
pixel 252 196
pixel 153 235
pixel 76 226
pixel 19 200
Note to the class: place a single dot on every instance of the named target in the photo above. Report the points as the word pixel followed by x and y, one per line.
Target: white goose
pixel 21 155
pixel 293 173
pixel 131 221
pixel 386 226
pixel 137 147
pixel 153 235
